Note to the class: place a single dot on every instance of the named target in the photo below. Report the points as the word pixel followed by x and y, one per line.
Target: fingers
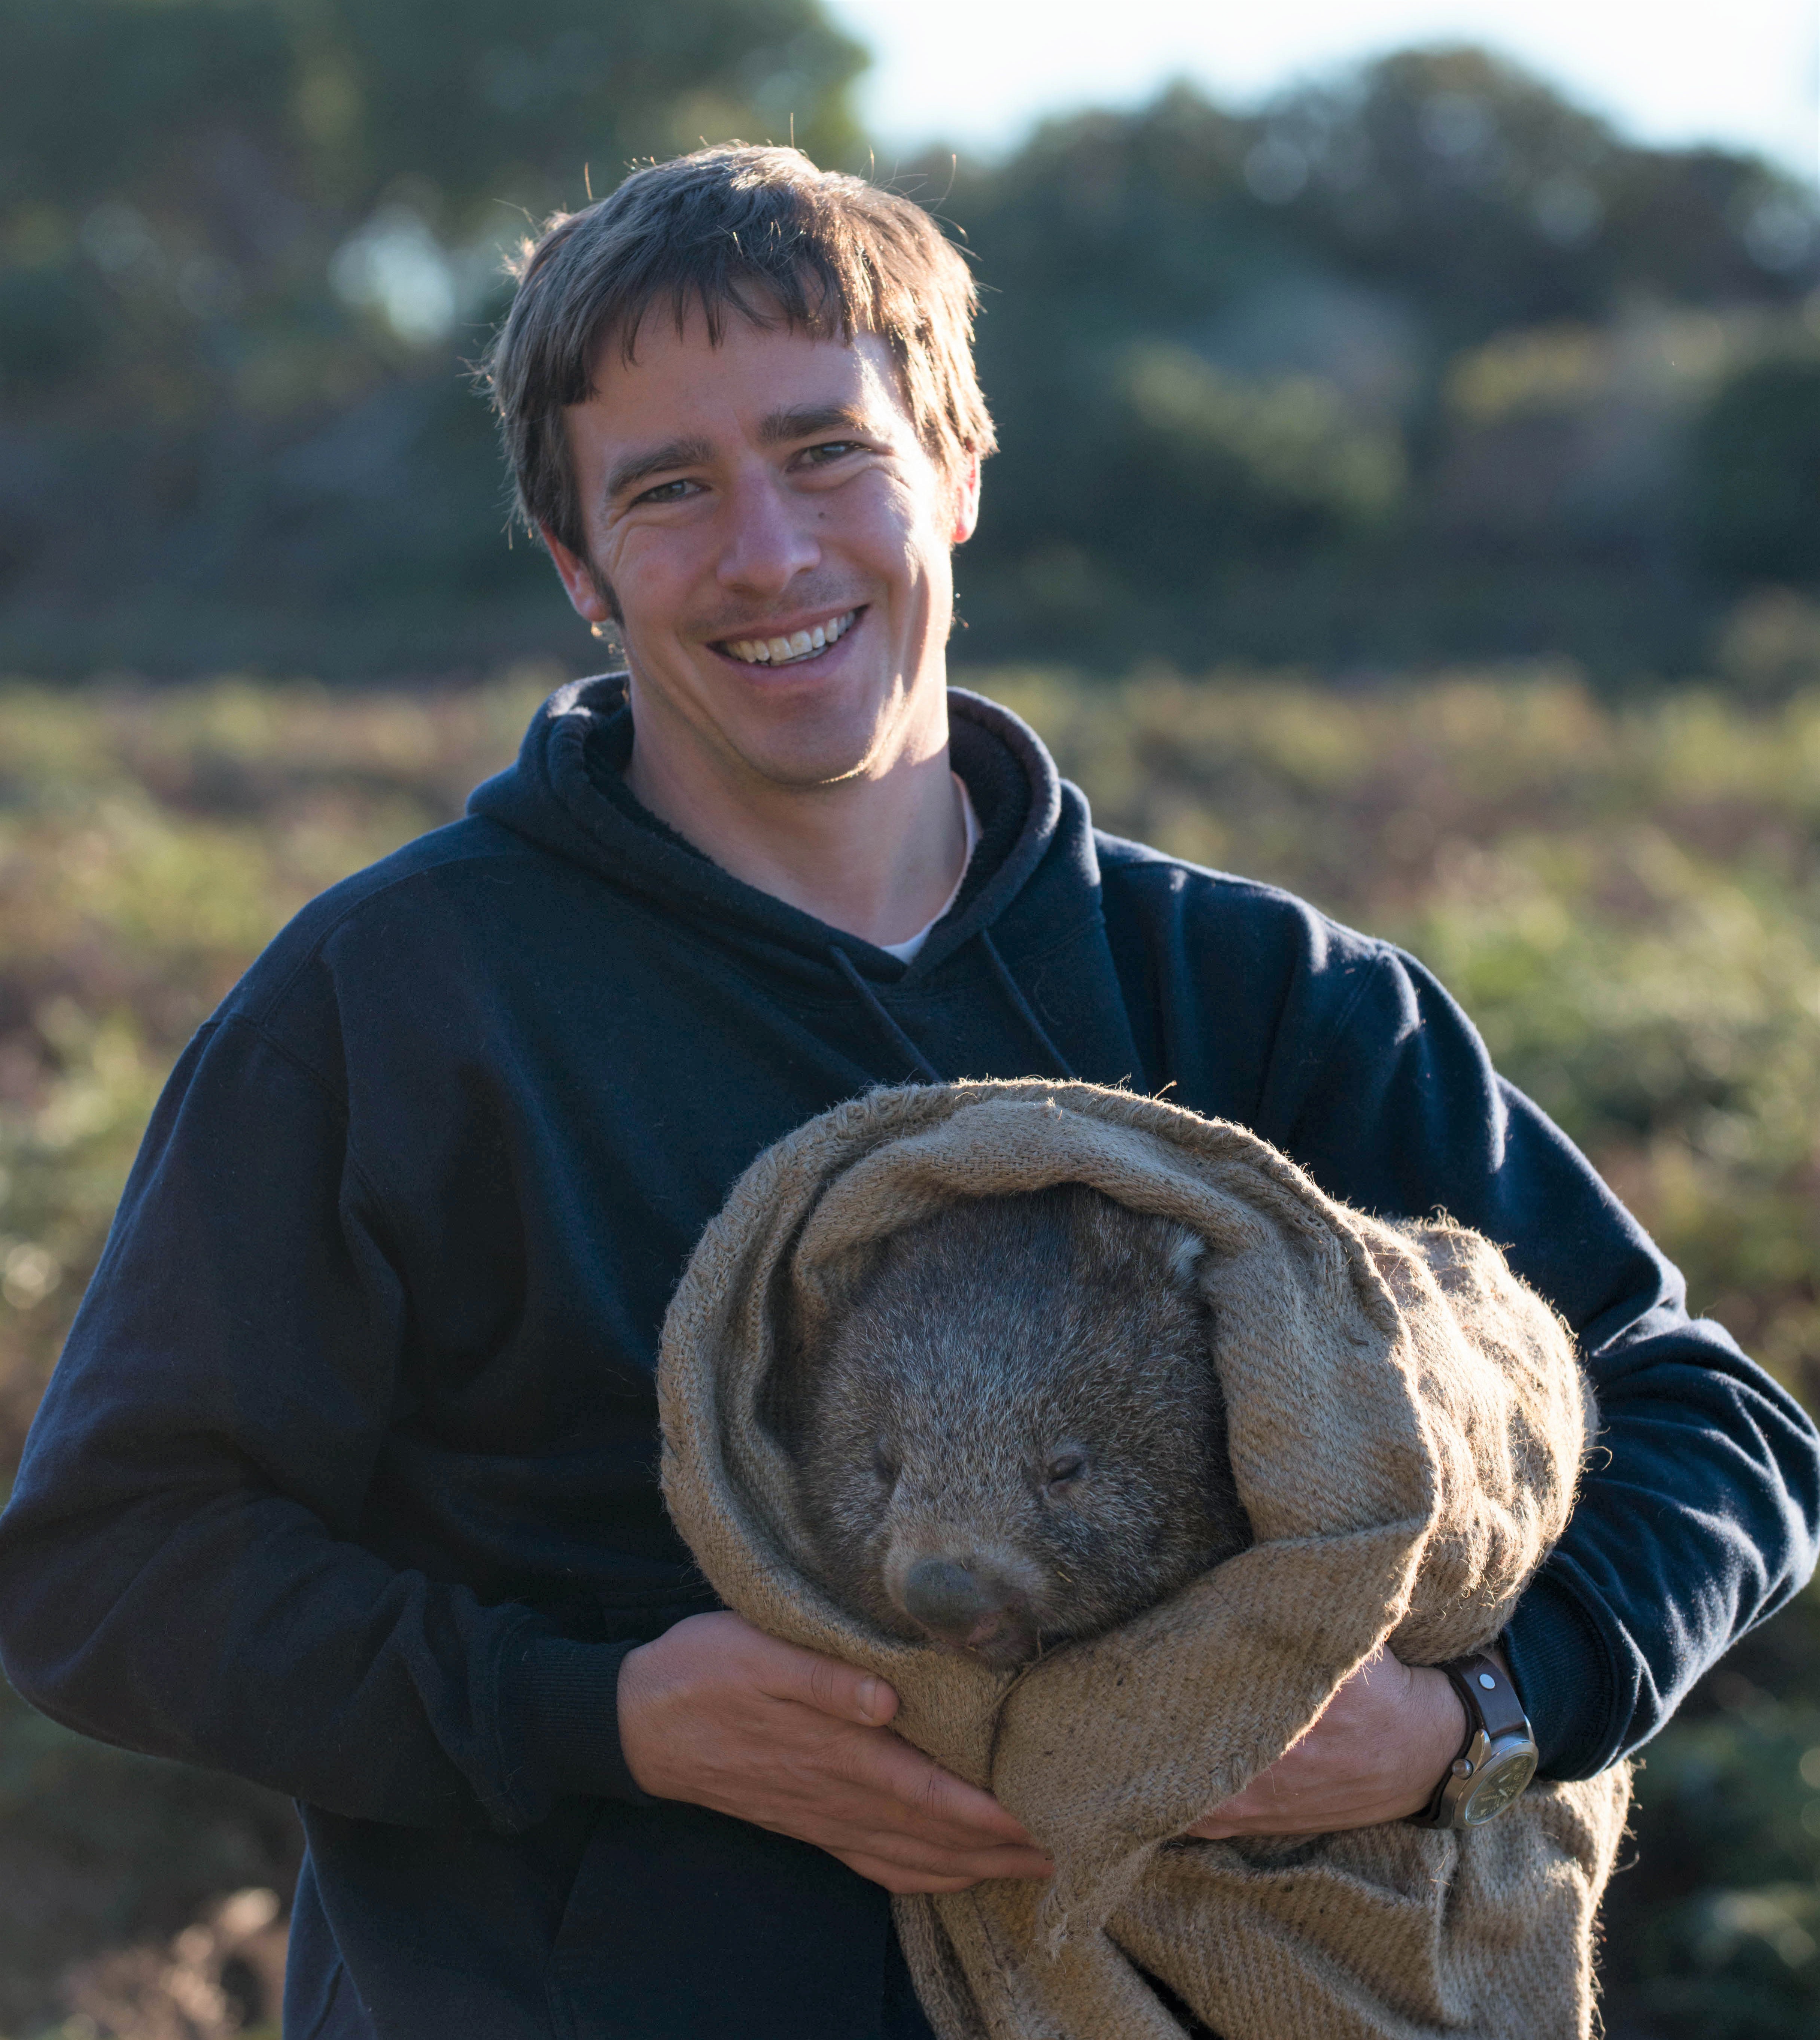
pixel 908 1855
pixel 718 1713
pixel 1374 1754
pixel 724 1650
pixel 1236 1819
pixel 877 1798
pixel 826 1683
pixel 900 1809
pixel 880 1832
pixel 1263 1808
pixel 951 1875
pixel 937 1803
pixel 846 1691
pixel 899 1881
pixel 880 1771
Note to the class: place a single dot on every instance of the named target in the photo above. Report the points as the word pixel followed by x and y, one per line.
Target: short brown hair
pixel 762 230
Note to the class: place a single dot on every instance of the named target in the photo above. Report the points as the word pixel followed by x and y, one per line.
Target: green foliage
pixel 1460 178
pixel 265 128
pixel 246 248
pixel 1203 460
pixel 1770 646
pixel 99 1847
pixel 1373 245
pixel 1627 900
pixel 1755 493
pixel 1721 1939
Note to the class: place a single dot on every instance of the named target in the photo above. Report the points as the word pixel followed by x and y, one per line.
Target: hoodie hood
pixel 566 793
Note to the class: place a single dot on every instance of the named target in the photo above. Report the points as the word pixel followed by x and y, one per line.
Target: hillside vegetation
pixel 1627 900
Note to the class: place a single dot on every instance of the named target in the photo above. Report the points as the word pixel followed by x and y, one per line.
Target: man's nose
pixel 769 538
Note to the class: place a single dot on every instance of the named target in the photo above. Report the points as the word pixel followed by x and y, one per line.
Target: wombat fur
pixel 1013 1435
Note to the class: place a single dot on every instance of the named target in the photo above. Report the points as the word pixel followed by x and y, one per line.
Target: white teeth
pixel 799 644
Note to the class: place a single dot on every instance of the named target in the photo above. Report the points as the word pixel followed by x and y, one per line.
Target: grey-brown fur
pixel 988 1346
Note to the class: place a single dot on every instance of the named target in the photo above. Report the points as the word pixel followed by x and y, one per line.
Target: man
pixel 346 1481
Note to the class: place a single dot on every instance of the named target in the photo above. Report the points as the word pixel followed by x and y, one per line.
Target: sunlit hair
pixel 761 233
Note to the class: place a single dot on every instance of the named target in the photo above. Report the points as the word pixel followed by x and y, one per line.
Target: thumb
pixel 845 1691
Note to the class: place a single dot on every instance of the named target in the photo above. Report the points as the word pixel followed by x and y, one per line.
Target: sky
pixel 977 73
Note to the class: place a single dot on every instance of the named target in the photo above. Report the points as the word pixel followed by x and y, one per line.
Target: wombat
pixel 1012 1434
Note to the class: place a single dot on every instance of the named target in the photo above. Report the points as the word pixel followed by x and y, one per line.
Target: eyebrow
pixel 808 420
pixel 803 423
pixel 635 466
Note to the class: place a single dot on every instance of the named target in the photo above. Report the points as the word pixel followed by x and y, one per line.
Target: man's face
pixel 743 502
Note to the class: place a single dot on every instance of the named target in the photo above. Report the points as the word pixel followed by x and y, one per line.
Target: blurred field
pixel 1627 899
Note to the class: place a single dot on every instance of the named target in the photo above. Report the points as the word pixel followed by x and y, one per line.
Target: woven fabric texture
pixel 1406 1423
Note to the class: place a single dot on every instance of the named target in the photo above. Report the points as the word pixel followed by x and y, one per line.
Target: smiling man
pixel 758 514
pixel 347 1479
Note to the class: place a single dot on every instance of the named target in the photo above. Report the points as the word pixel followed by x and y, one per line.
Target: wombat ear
pixel 1186 1252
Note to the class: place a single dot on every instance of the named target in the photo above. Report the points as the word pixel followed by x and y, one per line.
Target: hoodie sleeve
pixel 1698 1516
pixel 181 1568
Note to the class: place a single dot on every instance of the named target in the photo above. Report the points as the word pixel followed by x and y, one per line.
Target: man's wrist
pixel 1496 1759
pixel 1446 1732
pixel 565 1696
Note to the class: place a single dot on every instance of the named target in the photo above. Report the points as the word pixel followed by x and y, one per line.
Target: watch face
pixel 1501 1779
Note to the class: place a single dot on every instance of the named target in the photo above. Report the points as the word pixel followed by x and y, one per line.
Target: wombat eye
pixel 884 1466
pixel 1063 1468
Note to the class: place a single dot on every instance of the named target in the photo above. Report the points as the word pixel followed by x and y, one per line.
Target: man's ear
pixel 966 479
pixel 587 593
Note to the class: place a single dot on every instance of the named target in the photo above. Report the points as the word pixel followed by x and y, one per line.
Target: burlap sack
pixel 1406 1424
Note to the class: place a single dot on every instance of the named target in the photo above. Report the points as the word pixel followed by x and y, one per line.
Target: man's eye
pixel 832 450
pixel 665 492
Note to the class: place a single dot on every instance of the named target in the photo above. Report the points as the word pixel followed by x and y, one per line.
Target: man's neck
pixel 876 855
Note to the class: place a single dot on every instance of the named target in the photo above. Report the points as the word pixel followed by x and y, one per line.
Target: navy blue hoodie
pixel 346 1481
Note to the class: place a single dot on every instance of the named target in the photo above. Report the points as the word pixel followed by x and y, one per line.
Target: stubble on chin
pixel 826 747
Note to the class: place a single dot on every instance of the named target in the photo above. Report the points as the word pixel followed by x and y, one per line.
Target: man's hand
pixel 716 1712
pixel 1376 1753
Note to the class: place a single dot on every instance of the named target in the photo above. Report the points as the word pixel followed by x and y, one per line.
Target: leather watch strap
pixel 1490 1700
pixel 1499 1744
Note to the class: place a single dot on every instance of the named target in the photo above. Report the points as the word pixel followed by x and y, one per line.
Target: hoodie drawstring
pixel 895 1034
pixel 1022 1007
pixel 914 1056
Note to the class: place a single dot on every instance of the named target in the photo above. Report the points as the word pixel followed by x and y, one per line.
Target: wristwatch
pixel 1500 1755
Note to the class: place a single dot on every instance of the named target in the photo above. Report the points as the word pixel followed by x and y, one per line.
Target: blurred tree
pixel 1458 178
pixel 1198 463
pixel 1177 295
pixel 243 244
pixel 1754 495
pixel 1267 385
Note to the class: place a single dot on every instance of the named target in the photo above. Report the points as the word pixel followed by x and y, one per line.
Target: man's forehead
pixel 763 376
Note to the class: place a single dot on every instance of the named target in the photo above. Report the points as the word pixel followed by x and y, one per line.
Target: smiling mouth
pixel 793 649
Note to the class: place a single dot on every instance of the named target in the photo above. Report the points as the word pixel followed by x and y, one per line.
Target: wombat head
pixel 1012 1434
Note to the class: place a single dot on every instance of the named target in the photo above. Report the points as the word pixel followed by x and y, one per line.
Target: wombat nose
pixel 945 1597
